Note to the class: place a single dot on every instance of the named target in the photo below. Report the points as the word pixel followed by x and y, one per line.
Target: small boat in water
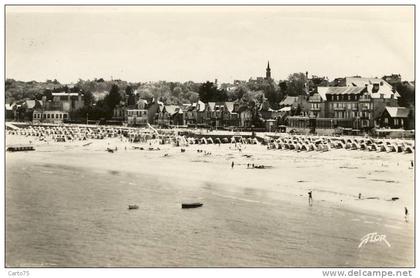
pixel 191 205
pixel 133 206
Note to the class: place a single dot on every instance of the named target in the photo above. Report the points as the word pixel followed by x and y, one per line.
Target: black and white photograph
pixel 209 136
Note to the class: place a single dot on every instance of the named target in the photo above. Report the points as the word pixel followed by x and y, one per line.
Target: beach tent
pixel 392 148
pixel 305 147
pixel 408 149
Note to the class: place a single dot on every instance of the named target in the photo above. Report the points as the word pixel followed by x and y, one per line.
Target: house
pixel 120 112
pixel 214 112
pixel 394 117
pixel 25 109
pixel 190 113
pixel 289 101
pixel 154 108
pixel 317 103
pixel 162 116
pixel 200 110
pixel 10 111
pixel 341 106
pixel 176 115
pixel 67 102
pixel 137 117
pixel 299 104
pixel 50 116
pixel 230 114
pixel 245 116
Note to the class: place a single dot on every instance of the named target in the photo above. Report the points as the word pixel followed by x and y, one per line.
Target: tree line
pixel 102 96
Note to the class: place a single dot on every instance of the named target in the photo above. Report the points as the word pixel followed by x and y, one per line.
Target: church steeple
pixel 268 71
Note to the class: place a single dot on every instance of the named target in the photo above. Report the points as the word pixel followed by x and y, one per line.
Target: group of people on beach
pixel 205 152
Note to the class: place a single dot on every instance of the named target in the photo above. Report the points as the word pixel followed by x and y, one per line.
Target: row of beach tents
pixel 315 143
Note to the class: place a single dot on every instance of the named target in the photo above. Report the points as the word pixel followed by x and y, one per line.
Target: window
pixel 65 116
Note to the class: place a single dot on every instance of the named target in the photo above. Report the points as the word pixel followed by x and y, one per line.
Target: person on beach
pixel 412 164
pixel 233 164
pixel 310 198
pixel 406 214
pixel 360 196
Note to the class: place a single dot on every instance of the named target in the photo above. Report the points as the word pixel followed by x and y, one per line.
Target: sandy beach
pixel 75 198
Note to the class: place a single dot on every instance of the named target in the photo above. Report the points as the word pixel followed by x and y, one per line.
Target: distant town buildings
pixel 354 104
pixel 357 105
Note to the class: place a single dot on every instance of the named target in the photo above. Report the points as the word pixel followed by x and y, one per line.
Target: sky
pixel 150 43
